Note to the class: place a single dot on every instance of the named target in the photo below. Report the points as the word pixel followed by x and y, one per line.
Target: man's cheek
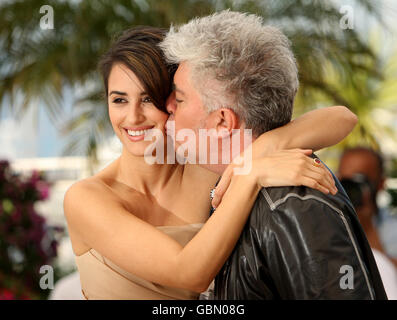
pixel 179 125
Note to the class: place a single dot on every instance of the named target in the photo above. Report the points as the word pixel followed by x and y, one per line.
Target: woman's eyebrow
pixel 118 92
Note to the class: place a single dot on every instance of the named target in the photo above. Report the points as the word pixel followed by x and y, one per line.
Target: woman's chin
pixel 148 149
pixel 137 151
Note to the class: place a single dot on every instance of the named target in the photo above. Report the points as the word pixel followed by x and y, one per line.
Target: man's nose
pixel 171 103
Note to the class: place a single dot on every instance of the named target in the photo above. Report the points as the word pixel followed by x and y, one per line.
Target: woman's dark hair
pixel 137 48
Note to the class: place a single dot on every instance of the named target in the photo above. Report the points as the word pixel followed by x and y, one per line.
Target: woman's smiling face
pixel 131 111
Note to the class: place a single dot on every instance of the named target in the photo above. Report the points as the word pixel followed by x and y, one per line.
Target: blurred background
pixel 54 128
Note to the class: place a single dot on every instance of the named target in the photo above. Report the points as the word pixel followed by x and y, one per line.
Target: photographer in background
pixel 361 172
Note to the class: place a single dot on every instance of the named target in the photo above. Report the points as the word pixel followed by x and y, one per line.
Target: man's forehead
pixel 182 74
pixel 183 81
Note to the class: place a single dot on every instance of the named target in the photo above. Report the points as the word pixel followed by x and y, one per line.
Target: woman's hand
pixel 283 168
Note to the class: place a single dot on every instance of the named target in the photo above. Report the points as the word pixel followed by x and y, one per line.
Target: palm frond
pixel 38 64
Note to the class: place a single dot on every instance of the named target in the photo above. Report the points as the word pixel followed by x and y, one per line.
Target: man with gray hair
pixel 236 73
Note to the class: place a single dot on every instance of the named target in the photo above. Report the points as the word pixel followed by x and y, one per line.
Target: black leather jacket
pixel 299 243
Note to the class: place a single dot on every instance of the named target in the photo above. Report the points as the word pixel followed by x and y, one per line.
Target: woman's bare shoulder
pixel 96 187
pixel 78 196
pixel 77 205
pixel 97 184
pixel 91 184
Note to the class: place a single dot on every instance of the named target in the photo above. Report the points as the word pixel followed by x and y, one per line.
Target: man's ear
pixel 225 120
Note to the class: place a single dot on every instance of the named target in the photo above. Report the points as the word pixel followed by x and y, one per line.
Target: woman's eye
pixel 118 100
pixel 178 101
pixel 147 100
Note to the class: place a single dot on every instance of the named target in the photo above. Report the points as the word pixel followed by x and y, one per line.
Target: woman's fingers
pixel 222 186
pixel 294 167
pixel 307 152
pixel 314 184
pixel 320 178
pixel 323 175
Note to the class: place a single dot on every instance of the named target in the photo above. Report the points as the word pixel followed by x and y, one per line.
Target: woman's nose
pixel 135 114
pixel 171 103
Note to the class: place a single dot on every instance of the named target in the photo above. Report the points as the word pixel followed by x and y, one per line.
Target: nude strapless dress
pixel 101 279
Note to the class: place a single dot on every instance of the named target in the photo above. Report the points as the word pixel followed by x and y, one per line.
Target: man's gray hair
pixel 239 63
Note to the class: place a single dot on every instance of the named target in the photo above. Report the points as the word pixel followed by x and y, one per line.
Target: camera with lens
pixel 356 186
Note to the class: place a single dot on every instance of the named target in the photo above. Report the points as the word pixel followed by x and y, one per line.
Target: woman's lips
pixel 138 128
pixel 138 133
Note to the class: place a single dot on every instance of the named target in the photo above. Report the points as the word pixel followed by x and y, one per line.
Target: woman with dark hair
pixel 142 231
